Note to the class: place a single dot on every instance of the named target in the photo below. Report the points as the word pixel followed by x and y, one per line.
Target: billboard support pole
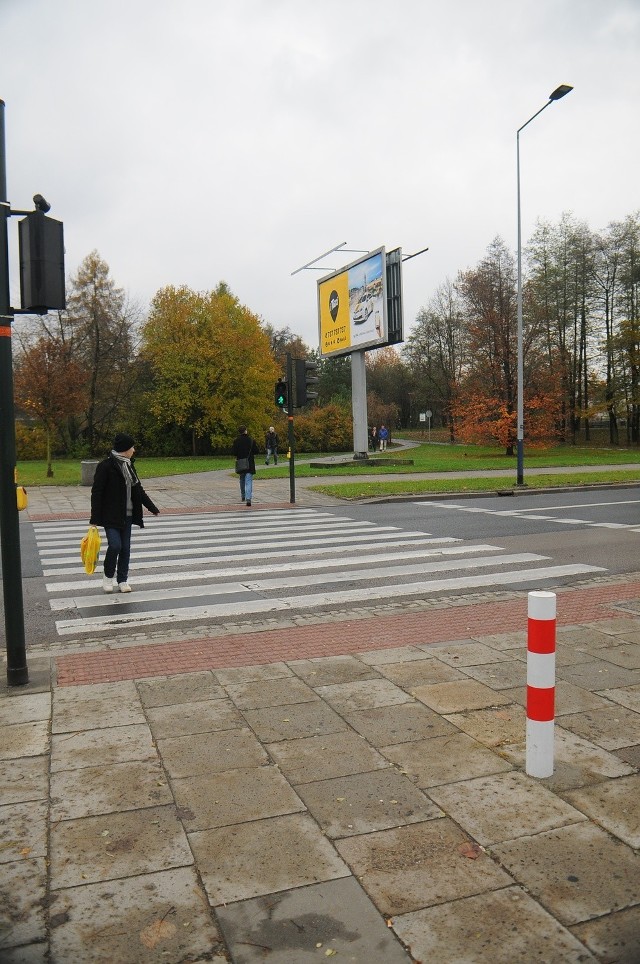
pixel 359 406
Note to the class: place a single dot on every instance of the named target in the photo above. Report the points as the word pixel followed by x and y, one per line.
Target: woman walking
pixel 117 498
pixel 245 449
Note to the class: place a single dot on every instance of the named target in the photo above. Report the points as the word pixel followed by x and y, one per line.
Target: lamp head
pixel 560 92
pixel 41 204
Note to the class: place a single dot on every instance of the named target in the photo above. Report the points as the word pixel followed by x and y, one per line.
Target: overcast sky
pixel 193 141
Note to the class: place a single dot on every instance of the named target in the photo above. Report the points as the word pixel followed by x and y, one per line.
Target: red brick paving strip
pixel 335 638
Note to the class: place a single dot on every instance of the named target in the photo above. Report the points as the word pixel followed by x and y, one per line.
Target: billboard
pixel 352 306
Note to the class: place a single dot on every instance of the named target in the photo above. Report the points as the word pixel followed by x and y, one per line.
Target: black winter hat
pixel 122 442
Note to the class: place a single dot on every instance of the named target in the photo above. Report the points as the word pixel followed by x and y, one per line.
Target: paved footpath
pixel 348 788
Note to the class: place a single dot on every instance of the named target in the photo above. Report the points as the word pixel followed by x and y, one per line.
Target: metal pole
pixel 17 671
pixel 291 435
pixel 520 411
pixel 557 94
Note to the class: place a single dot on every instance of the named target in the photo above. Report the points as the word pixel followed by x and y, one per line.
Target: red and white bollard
pixel 541 683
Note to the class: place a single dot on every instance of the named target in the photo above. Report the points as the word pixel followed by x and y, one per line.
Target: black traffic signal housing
pixel 280 395
pixel 41 262
pixel 306 380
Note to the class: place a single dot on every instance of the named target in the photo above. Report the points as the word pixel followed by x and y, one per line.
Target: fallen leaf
pixel 470 850
pixel 25 851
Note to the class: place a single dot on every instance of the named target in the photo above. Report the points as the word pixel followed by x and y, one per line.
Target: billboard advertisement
pixel 352 306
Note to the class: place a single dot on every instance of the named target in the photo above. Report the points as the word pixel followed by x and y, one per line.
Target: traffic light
pixel 280 395
pixel 306 379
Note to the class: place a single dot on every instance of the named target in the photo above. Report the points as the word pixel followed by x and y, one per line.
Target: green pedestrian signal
pixel 280 396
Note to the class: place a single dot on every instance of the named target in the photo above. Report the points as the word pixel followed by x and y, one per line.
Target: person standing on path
pixel 373 438
pixel 383 435
pixel 271 445
pixel 245 450
pixel 117 498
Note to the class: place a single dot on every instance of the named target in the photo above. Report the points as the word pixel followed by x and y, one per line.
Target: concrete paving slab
pixel 26 954
pixel 26 709
pixel 412 867
pixel 366 802
pixel 24 739
pixel 626 655
pixel 615 937
pixel 323 757
pixel 613 805
pixel 459 696
pixel 187 688
pixel 577 872
pixel 611 728
pixel 363 695
pixel 327 670
pixel 444 759
pixel 616 626
pixel 468 654
pixel 401 654
pixel 503 806
pixel 161 916
pixel 96 713
pixel 184 719
pixel 504 641
pixel 24 779
pixel 23 891
pixel 387 725
pixel 86 693
pixel 628 696
pixel 492 727
pixel 630 755
pixel 23 830
pixel 253 674
pixel 235 796
pixel 264 857
pixel 568 655
pixel 115 744
pixel 418 672
pixel 275 723
pixel 116 845
pixel 467 929
pixel 577 762
pixel 91 791
pixel 499 676
pixel 277 692
pixel 187 756
pixel 583 638
pixel 308 923
pixel 598 675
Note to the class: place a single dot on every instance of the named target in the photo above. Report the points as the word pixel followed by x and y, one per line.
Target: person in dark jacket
pixel 271 445
pixel 245 447
pixel 117 498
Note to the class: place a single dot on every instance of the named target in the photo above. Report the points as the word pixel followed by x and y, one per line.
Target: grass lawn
pixel 425 458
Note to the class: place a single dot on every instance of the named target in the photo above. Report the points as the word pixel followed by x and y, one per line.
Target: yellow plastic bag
pixel 23 498
pixel 90 550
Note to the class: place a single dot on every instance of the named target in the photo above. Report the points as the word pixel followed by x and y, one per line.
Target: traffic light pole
pixel 292 438
pixel 17 671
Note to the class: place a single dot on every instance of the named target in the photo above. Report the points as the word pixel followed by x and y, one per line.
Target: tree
pixel 211 365
pixel 49 385
pixel 435 353
pixel 100 324
pixel 489 300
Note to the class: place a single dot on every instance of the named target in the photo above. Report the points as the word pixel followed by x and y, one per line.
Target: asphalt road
pixel 597 528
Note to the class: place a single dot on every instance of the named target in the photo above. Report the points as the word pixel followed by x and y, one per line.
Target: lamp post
pixel 556 95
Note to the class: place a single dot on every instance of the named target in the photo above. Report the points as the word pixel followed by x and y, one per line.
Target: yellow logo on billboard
pixel 333 297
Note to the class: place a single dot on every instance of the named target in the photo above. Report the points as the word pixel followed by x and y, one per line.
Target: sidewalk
pixel 348 788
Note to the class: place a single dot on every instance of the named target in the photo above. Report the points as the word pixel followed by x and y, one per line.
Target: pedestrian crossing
pixel 194 568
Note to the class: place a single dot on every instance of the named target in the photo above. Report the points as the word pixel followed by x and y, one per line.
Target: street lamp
pixel 556 95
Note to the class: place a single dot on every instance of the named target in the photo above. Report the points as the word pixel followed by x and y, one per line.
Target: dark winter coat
pixel 244 447
pixel 109 496
pixel 271 441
